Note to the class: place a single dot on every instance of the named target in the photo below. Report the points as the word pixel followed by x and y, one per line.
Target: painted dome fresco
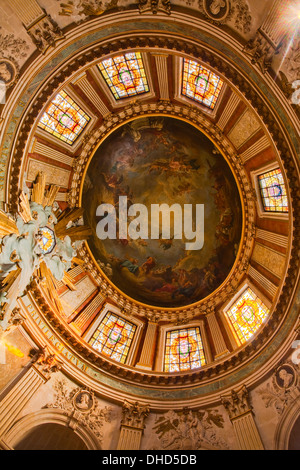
pixel 155 161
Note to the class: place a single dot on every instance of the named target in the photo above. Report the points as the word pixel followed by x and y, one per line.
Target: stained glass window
pixel 64 118
pixel 125 75
pixel 246 315
pixel 184 350
pixel 273 191
pixel 113 337
pixel 200 84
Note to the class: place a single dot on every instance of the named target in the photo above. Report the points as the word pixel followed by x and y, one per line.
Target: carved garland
pixel 251 95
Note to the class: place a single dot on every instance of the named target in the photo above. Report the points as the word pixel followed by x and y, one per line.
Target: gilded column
pixel 241 416
pixel 161 61
pixel 217 337
pixel 132 425
pixel 17 397
pixel 148 351
pixel 88 313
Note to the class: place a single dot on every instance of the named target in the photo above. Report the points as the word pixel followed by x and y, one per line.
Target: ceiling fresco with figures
pixel 164 160
pixel 183 103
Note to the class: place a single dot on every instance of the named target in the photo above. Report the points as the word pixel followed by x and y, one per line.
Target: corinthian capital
pixel 134 414
pixel 237 402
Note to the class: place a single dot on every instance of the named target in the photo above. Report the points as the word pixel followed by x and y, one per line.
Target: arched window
pixel 200 84
pixel 246 315
pixel 183 350
pixel 64 119
pixel 125 75
pixel 273 191
pixel 113 337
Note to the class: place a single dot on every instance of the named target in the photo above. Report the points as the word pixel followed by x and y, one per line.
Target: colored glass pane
pixel 246 315
pixel 184 350
pixel 113 337
pixel 64 119
pixel 125 75
pixel 200 84
pixel 273 191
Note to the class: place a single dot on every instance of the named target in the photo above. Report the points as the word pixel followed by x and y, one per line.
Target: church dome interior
pixel 149 215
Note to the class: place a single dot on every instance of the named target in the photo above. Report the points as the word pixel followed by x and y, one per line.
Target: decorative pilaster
pixel 28 11
pixel 217 337
pixel 274 26
pixel 205 342
pixel 148 351
pixel 132 425
pixel 88 313
pixel 42 29
pixel 43 364
pixel 161 62
pixel 268 39
pixel 241 416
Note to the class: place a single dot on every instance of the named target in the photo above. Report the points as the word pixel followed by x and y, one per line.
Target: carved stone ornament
pixel 83 401
pixel 13 48
pixel 223 11
pixel 45 33
pixel 290 90
pixel 155 6
pixel 45 362
pixel 81 10
pixel 190 430
pixel 134 414
pixel 261 51
pixel 9 72
pixel 217 10
pixel 285 377
pixel 291 65
pixel 16 317
pixel 283 388
pixel 80 403
pixel 237 402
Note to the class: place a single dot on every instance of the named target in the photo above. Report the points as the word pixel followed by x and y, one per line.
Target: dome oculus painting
pixel 155 161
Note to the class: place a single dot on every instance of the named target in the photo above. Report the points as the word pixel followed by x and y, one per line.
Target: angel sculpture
pixel 37 242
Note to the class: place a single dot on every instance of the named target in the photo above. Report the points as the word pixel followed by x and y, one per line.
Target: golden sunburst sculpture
pixel 39 241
